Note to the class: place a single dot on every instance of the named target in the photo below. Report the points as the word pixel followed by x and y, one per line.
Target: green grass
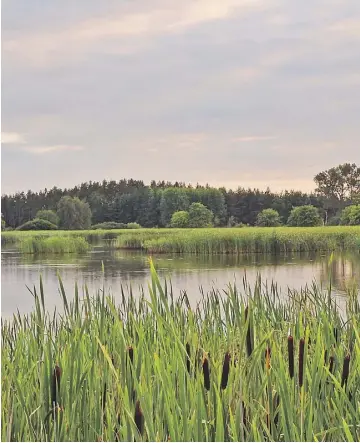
pixel 100 385
pixel 245 240
pixel 53 245
pixel 212 240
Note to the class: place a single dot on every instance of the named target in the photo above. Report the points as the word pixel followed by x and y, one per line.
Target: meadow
pixel 203 241
pixel 243 365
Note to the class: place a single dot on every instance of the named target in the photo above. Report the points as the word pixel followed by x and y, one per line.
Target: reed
pixel 53 245
pixel 252 401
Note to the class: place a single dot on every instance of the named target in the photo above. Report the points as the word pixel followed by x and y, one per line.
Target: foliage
pixel 74 213
pixel 126 201
pixel 200 216
pixel 268 217
pixel 180 219
pixel 306 215
pixel 109 225
pixel 133 226
pixel 78 376
pixel 37 225
pixel 49 215
pixel 351 215
pixel 3 224
pixel 340 182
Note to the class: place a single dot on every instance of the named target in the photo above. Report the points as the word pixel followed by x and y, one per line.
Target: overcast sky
pixel 229 92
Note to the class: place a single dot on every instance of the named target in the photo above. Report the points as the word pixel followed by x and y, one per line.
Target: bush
pixel 306 216
pixel 47 214
pixel 37 225
pixel 350 215
pixel 200 216
pixel 133 226
pixel 109 225
pixel 268 217
pixel 179 219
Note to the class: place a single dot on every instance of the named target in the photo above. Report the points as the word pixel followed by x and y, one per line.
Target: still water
pixel 187 272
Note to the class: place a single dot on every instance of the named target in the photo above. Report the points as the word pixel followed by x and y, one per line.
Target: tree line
pixel 131 201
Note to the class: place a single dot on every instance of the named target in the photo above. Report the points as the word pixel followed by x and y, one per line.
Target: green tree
pixel 306 215
pixel 341 182
pixel 268 217
pixel 47 214
pixel 172 200
pixel 350 215
pixel 74 213
pixel 180 219
pixel 200 216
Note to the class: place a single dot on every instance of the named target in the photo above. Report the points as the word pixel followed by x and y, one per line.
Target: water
pixel 186 272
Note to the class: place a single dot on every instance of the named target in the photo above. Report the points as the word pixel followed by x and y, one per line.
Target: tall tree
pixel 74 213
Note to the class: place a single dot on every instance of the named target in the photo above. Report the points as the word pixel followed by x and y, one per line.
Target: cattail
pixel 331 364
pixel 55 385
pixel 206 373
pixel 325 356
pixel 248 334
pixel 301 361
pixel 131 354
pixel 188 357
pixel 225 371
pixel 267 357
pixel 139 418
pixel 345 372
pixel 104 403
pixel 291 355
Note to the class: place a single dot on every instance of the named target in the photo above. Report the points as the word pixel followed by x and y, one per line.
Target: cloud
pixel 254 138
pixel 40 150
pixel 11 138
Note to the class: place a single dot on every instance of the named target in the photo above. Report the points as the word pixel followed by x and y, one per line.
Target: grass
pixel 53 245
pixel 214 240
pixel 154 369
pixel 245 240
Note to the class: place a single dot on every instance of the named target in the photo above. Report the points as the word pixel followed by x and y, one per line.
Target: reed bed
pixel 245 365
pixel 245 240
pixel 53 245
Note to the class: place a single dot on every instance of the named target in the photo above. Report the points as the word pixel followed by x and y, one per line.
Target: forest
pixel 131 201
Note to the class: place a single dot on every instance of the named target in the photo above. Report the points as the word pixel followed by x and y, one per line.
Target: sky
pixel 226 92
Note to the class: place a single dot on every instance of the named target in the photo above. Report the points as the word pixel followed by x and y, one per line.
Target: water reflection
pixel 187 272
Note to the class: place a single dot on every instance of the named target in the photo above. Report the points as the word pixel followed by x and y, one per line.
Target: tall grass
pixel 246 240
pixel 154 369
pixel 54 245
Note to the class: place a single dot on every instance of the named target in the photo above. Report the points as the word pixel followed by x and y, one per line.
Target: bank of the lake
pixel 203 241
pixel 246 364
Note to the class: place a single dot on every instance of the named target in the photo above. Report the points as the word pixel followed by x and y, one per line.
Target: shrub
pixel 47 214
pixel 268 217
pixel 180 219
pixel 200 216
pixel 133 226
pixel 37 225
pixel 305 216
pixel 350 215
pixel 109 225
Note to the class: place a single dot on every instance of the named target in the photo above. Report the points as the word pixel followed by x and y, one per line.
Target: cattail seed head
pixel 267 357
pixel 248 334
pixel 345 372
pixel 225 371
pixel 291 355
pixel 301 361
pixel 206 373
pixel 55 384
pixel 188 357
pixel 139 418
pixel 131 354
pixel 331 364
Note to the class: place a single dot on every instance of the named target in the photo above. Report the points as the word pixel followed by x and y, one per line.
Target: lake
pixel 187 272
